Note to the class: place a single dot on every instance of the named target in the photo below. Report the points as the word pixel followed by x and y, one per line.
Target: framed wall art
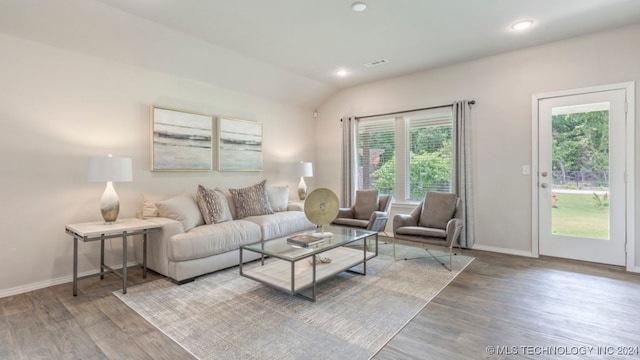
pixel 240 143
pixel 180 141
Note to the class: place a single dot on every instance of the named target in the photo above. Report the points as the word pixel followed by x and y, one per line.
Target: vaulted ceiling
pixel 290 49
pixel 314 38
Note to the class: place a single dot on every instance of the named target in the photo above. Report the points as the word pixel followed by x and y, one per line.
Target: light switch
pixel 526 170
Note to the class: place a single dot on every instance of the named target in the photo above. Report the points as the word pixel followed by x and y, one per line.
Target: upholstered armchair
pixel 436 221
pixel 370 211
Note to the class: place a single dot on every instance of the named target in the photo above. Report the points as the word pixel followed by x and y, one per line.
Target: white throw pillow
pixel 278 197
pixel 230 203
pixel 181 208
pixel 149 208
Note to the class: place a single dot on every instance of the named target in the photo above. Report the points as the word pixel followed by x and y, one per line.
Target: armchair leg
pixel 394 249
pixel 441 263
pixel 398 259
pixel 436 257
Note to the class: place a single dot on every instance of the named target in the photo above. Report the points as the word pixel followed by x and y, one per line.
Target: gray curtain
pixel 462 181
pixel 349 165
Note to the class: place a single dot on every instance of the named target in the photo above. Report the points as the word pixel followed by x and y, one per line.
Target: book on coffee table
pixel 304 240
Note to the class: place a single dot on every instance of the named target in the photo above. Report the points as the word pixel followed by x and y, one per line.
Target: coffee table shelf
pixel 294 270
pixel 278 273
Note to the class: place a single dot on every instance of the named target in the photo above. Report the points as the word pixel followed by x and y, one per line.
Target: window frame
pixel 402 142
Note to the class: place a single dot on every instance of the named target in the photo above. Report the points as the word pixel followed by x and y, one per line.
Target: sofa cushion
pixel 437 209
pixel 251 201
pixel 281 223
pixel 209 240
pixel 278 197
pixel 213 205
pixel 366 204
pixel 181 208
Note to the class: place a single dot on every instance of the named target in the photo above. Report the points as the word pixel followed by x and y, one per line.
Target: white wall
pixel 95 28
pixel 501 132
pixel 58 107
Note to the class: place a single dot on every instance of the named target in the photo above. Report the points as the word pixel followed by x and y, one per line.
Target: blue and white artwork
pixel 240 144
pixel 181 141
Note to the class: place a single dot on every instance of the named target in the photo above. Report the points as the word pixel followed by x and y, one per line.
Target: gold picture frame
pixel 180 140
pixel 239 145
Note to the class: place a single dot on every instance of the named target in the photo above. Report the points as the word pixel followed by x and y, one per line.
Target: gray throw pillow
pixel 251 201
pixel 437 209
pixel 366 204
pixel 213 205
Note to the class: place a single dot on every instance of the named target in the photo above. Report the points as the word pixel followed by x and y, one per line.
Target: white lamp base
pixel 109 204
pixel 302 189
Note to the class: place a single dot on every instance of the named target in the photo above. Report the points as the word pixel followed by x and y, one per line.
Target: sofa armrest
pixel 295 206
pixel 157 258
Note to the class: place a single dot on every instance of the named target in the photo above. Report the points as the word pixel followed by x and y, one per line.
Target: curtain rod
pixel 471 102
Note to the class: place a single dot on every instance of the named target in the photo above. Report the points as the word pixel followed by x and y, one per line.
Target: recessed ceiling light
pixel 522 25
pixel 342 72
pixel 358 6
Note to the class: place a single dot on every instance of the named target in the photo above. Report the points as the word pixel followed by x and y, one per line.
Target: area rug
pixel 225 316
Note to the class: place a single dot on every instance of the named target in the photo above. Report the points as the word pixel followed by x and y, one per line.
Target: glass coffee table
pixel 296 269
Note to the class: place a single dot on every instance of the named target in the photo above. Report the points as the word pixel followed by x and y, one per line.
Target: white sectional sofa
pixel 186 247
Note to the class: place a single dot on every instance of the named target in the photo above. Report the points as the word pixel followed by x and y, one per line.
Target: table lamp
pixel 304 169
pixel 109 169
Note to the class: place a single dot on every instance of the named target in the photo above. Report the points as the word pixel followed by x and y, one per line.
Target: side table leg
pixel 124 262
pixel 313 289
pixel 144 255
pixel 75 266
pixel 102 258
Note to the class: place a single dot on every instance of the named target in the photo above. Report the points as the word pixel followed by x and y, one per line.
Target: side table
pixel 94 231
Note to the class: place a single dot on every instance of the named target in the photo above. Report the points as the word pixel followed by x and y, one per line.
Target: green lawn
pixel 580 215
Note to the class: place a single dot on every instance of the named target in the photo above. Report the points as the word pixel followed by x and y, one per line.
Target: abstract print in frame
pixel 181 141
pixel 240 144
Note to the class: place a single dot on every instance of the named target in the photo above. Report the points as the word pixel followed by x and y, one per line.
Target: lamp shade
pixel 304 169
pixel 103 168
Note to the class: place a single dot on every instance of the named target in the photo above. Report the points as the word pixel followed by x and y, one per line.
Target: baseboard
pixel 502 250
pixel 52 282
pixel 634 269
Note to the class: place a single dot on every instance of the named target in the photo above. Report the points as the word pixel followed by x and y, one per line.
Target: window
pixel 376 155
pixel 422 140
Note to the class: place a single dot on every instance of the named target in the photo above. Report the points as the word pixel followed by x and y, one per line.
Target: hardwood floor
pixel 525 307
pixel 521 306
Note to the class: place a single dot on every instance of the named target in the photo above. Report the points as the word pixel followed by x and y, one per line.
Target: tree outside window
pixel 428 154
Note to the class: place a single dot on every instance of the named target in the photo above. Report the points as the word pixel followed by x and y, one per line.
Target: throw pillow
pixel 213 205
pixel 149 208
pixel 251 201
pixel 366 204
pixel 181 208
pixel 232 206
pixel 278 197
pixel 437 209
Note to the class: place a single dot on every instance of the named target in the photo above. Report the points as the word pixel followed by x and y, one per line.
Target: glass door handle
pixel 544 185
